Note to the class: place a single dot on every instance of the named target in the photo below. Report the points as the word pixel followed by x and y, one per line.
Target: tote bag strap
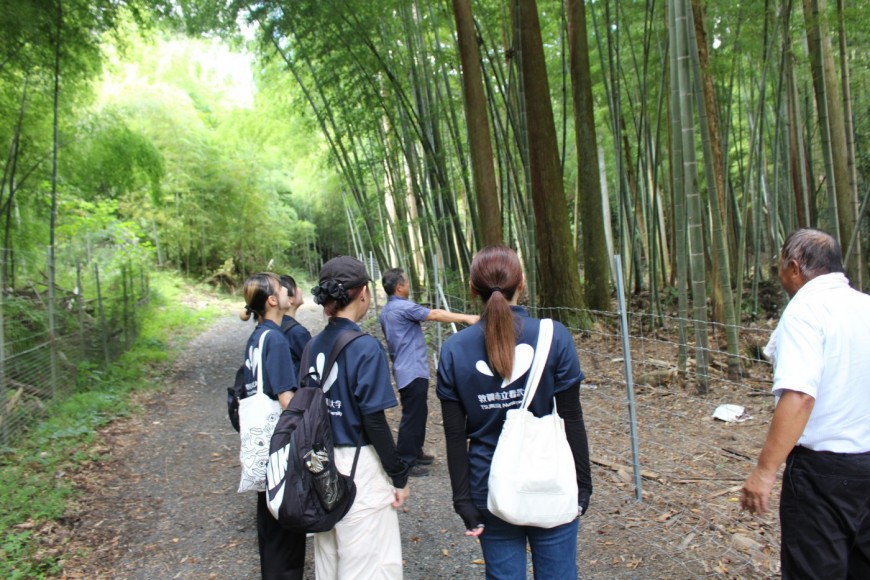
pixel 539 361
pixel 260 363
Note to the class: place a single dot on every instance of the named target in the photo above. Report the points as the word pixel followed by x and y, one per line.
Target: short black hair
pixel 289 283
pixel 392 278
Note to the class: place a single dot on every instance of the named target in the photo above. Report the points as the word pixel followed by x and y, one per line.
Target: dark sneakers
pixel 418 471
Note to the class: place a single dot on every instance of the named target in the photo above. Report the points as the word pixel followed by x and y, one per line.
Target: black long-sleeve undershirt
pixel 569 408
pixel 378 431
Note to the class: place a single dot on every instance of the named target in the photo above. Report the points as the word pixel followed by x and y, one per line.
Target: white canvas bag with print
pixel 258 415
pixel 532 480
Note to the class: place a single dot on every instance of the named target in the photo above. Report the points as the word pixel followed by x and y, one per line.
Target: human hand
pixel 755 495
pixel 475 532
pixel 469 514
pixel 401 495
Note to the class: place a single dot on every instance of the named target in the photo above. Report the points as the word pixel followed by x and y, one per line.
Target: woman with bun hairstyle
pixel 365 544
pixel 296 334
pixel 482 373
pixel 282 553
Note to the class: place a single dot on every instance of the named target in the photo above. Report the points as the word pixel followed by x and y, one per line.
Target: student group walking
pixel 505 363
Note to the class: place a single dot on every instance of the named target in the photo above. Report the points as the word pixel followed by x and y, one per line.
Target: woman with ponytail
pixel 366 543
pixel 282 553
pixel 482 373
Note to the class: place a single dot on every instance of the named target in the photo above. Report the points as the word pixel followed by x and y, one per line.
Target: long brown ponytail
pixel 257 290
pixel 496 275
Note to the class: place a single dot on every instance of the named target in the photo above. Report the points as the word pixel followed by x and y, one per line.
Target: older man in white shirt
pixel 821 424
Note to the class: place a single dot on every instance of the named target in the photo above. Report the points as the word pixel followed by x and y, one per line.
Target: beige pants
pixel 365 544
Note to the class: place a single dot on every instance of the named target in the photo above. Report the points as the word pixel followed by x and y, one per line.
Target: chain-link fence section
pixel 95 318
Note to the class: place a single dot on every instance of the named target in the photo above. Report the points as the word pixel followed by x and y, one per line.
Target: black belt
pixel 801 450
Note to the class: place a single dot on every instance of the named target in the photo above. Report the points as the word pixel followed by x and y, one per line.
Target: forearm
pixel 378 431
pixel 569 408
pixel 285 398
pixel 789 420
pixel 438 315
pixel 455 437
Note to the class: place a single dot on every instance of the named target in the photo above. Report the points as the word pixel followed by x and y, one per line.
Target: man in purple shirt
pixel 401 320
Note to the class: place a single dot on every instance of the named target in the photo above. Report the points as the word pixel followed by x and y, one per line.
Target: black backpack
pixel 305 491
pixel 234 394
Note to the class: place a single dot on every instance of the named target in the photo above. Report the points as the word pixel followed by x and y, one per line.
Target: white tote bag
pixel 532 480
pixel 258 415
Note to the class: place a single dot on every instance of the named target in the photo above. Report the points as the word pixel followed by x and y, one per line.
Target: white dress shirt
pixel 821 347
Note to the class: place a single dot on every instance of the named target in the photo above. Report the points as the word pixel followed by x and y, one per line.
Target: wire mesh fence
pixel 677 518
pixel 94 318
pixel 687 522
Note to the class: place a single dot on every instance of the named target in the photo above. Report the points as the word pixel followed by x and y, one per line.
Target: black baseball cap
pixel 347 271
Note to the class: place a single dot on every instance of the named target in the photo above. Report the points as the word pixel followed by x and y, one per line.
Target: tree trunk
pixel 595 263
pixel 849 129
pixel 678 196
pixel 693 196
pixel 796 149
pixel 560 292
pixel 833 124
pixel 715 184
pixel 477 121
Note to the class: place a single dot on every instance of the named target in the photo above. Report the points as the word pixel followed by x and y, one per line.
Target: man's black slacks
pixel 412 427
pixel 825 515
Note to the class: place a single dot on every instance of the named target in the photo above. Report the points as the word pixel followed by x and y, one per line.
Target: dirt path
pixel 165 504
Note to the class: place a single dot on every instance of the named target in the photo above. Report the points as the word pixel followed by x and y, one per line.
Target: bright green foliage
pixel 33 486
pixel 225 190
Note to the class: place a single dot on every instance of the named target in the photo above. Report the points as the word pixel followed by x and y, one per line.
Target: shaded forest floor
pixel 163 502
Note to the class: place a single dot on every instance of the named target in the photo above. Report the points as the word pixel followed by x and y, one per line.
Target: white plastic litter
pixel 731 414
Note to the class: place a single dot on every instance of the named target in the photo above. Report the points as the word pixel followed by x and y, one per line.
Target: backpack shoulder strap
pixel 345 337
pixel 302 371
pixel 288 323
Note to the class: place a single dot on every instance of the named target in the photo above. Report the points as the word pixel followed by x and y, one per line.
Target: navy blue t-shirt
pixel 279 372
pixel 464 376
pixel 359 381
pixel 298 336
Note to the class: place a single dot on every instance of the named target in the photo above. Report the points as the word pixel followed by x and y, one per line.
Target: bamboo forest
pixel 686 137
pixel 657 151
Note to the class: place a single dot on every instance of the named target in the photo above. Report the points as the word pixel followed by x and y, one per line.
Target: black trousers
pixel 824 513
pixel 282 553
pixel 412 427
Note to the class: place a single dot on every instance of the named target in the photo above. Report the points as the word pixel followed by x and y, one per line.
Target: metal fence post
pixel 131 282
pixel 4 418
pixel 629 380
pixel 80 306
pixel 103 337
pixel 52 325
pixel 125 307
pixel 437 284
pixel 371 268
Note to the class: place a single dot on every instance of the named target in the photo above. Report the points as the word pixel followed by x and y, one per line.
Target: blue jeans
pixel 554 550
